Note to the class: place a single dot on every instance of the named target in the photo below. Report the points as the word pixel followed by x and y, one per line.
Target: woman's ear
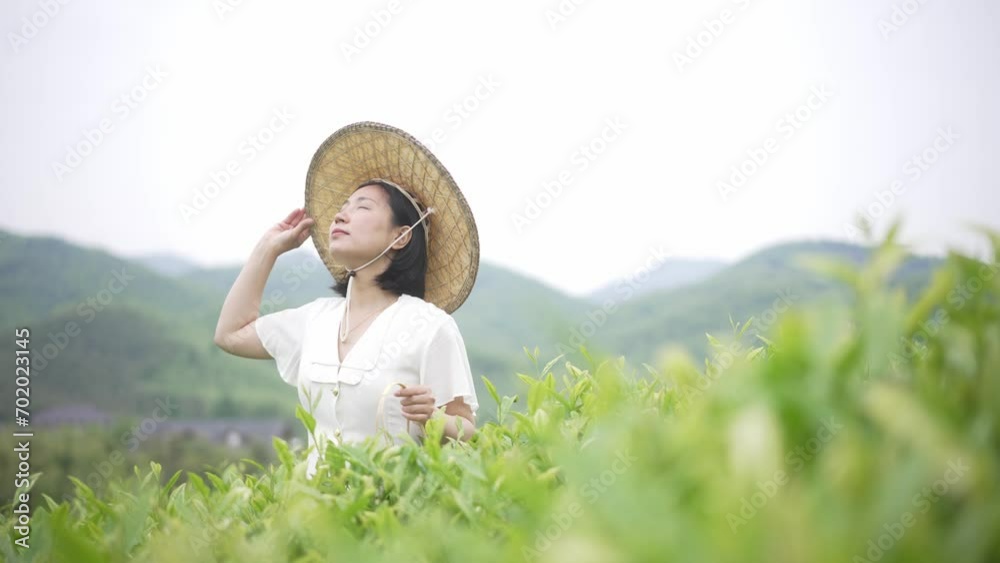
pixel 401 243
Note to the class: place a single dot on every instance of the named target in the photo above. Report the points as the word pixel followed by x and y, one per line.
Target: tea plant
pixel 860 432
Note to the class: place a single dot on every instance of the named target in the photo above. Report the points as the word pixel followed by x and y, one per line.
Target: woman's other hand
pixel 418 403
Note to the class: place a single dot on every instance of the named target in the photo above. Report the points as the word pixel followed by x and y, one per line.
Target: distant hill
pixel 146 325
pixel 142 334
pixel 126 358
pixel 506 312
pixel 116 334
pixel 42 276
pixel 748 288
pixel 668 275
pixel 298 277
pixel 167 264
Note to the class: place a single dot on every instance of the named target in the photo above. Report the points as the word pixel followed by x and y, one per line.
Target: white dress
pixel 412 342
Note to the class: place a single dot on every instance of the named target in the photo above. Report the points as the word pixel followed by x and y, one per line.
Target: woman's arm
pixel 458 412
pixel 235 332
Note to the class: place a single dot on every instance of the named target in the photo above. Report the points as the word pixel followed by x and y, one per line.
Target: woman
pixel 396 281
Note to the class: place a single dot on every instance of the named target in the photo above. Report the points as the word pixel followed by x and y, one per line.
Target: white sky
pixel 655 186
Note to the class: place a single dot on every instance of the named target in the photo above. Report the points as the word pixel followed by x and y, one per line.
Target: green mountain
pixel 167 264
pixel 757 286
pixel 42 276
pixel 672 273
pixel 121 333
pixel 505 313
pixel 117 334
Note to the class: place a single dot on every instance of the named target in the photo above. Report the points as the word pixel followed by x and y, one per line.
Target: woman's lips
pixel 338 232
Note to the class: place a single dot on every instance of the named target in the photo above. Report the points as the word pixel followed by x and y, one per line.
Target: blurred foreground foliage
pixel 859 433
pixel 99 455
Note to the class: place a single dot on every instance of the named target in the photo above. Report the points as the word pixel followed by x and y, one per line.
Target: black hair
pixel 407 270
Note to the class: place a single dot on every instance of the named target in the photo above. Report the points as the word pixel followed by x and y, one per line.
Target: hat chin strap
pixel 352 272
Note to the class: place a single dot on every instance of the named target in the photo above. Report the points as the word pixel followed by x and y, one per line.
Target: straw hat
pixel 363 151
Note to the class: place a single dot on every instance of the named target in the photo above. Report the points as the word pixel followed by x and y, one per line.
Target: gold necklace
pixel 366 318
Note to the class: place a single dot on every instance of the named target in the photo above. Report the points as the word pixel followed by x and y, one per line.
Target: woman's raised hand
pixel 289 233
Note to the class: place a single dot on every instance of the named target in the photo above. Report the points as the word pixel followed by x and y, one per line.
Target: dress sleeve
pixel 445 367
pixel 282 333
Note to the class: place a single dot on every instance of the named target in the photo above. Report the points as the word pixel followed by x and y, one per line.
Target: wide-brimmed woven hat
pixel 367 150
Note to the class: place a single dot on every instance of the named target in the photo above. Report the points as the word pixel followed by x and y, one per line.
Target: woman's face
pixel 363 227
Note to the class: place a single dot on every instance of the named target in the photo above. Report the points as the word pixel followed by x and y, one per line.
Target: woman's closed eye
pixel 361 207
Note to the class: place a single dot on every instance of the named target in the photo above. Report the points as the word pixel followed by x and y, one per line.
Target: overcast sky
pixel 644 109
